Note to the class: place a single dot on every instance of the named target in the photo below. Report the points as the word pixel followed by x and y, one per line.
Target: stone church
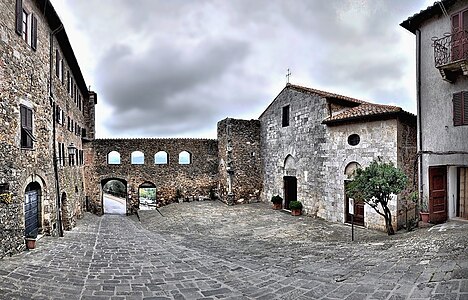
pixel 304 146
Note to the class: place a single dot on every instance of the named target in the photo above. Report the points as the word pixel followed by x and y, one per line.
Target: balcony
pixel 451 55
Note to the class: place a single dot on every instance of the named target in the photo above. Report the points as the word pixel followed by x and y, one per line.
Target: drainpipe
pixel 54 149
pixel 418 100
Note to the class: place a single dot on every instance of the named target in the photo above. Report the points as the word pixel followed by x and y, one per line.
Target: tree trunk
pixel 388 220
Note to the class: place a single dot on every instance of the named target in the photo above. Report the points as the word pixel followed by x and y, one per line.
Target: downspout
pixel 54 149
pixel 418 101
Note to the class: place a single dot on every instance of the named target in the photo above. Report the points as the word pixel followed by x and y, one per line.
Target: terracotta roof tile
pixel 363 110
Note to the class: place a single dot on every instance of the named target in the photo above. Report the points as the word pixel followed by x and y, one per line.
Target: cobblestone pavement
pixel 206 250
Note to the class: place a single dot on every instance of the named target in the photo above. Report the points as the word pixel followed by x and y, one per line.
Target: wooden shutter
pixel 19 17
pixel 457 109
pixel 33 32
pixel 465 108
pixel 57 62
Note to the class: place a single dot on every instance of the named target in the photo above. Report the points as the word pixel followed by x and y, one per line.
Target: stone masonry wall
pixel 378 139
pixel 239 168
pixel 304 140
pixel 194 180
pixel 23 81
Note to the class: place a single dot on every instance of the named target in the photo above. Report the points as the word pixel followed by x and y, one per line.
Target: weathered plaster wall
pixel 239 160
pixel 304 139
pixel 438 132
pixel 193 180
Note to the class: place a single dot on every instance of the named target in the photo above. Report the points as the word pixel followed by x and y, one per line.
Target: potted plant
pixel 296 208
pixel 277 202
pixel 30 240
pixel 424 212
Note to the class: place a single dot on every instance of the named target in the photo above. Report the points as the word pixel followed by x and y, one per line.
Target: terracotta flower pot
pixel 296 212
pixel 30 243
pixel 424 217
pixel 277 206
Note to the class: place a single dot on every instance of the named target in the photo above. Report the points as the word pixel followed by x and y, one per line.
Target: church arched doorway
pixel 32 209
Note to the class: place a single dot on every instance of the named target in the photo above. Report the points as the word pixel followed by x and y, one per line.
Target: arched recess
pixel 113 158
pixel 64 210
pixel 137 158
pixel 32 209
pixel 357 215
pixel 147 196
pixel 161 158
pixel 114 196
pixel 185 158
pixel 289 181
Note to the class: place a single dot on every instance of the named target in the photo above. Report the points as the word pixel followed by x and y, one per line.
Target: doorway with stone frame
pixel 290 190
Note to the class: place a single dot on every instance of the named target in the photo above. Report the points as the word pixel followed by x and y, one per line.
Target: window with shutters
pixel 460 108
pixel 26 25
pixel 285 117
pixel 59 65
pixel 27 137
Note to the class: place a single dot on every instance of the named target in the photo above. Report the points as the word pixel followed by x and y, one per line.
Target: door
pixel 459 36
pixel 437 194
pixel 358 210
pixel 462 197
pixel 290 190
pixel 31 214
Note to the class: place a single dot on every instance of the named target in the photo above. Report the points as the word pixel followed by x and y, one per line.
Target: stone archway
pixel 358 206
pixel 147 196
pixel 289 181
pixel 114 196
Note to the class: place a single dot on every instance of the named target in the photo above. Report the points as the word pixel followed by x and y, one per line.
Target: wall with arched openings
pixel 177 167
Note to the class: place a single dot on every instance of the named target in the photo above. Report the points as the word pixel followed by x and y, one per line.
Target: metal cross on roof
pixel 287 75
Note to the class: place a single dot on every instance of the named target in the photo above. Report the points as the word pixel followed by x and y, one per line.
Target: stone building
pixel 46 111
pixel 442 104
pixel 312 140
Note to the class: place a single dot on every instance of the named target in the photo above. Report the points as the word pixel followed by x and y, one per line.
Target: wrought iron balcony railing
pixel 451 54
pixel 451 48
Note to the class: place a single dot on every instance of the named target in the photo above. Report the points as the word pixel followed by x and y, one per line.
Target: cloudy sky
pixel 175 68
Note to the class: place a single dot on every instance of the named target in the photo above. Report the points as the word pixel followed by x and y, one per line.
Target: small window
pixel 160 158
pixel 113 158
pixel 185 158
pixel 137 158
pixel 27 137
pixel 285 118
pixel 354 139
pixel 460 108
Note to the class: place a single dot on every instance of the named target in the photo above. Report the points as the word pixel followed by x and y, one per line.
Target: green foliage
pixel 375 185
pixel 277 199
pixel 295 205
pixel 148 193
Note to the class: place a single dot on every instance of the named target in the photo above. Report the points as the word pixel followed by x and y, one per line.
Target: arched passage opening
pixel 289 181
pixel 357 206
pixel 147 196
pixel 114 196
pixel 32 209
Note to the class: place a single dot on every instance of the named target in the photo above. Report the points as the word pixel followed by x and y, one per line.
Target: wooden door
pixel 358 210
pixel 437 194
pixel 290 190
pixel 31 214
pixel 462 199
pixel 459 36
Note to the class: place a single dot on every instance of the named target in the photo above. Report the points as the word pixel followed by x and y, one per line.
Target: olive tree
pixel 376 185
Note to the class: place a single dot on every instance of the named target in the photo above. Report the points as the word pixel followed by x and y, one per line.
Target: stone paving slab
pixel 206 250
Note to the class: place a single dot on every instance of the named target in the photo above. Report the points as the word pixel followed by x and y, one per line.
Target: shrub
pixel 277 199
pixel 295 205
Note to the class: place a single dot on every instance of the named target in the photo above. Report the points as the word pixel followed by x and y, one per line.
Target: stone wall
pixel 378 140
pixel 240 179
pixel 24 81
pixel 195 180
pixel 303 141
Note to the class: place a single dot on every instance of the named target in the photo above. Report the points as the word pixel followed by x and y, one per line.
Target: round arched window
pixel 354 139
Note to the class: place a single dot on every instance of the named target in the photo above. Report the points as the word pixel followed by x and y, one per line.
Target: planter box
pixel 424 216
